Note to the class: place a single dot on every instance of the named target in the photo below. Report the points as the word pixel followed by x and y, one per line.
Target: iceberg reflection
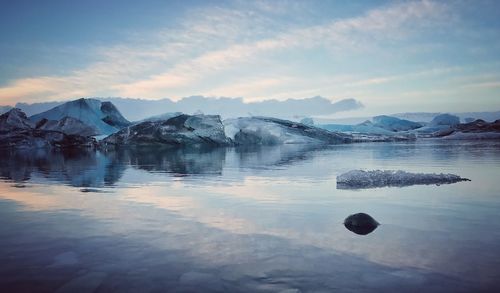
pixel 90 169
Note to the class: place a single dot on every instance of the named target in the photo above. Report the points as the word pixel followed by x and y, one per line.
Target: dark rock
pixel 16 131
pixel 14 119
pixel 478 129
pixel 35 138
pixel 361 223
pixel 479 126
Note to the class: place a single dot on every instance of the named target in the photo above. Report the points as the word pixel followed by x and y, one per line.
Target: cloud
pixel 377 23
pixel 203 53
pixel 483 85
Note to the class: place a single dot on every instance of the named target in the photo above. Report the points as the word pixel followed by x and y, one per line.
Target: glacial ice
pixel 16 131
pixel 394 124
pixel 67 125
pixel 103 116
pixel 272 131
pixel 360 179
pixel 182 130
pixel 473 136
pixel 445 119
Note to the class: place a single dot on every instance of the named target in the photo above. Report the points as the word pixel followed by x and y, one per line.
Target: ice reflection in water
pixel 264 219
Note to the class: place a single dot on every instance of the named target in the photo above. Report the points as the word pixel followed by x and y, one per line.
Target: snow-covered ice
pixel 273 131
pixel 359 179
pixel 103 116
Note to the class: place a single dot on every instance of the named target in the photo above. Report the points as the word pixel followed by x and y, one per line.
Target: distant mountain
pixel 418 117
pixel 36 108
pixel 470 116
pixel 102 116
pixel 366 127
pixel 140 109
pixel 165 116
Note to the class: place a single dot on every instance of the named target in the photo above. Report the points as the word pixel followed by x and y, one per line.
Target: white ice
pixel 358 179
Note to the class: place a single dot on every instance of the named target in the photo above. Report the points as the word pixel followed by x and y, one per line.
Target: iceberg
pixel 67 125
pixel 160 117
pixel 366 127
pixel 476 130
pixel 360 179
pixel 16 131
pixel 445 120
pixel 370 132
pixel 472 136
pixel 104 117
pixel 182 130
pixel 394 124
pixel 273 131
pixel 440 123
pixel 14 119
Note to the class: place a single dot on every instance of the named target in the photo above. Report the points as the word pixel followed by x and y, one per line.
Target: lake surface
pixel 248 220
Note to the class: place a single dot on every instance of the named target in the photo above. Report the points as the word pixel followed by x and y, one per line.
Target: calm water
pixel 267 219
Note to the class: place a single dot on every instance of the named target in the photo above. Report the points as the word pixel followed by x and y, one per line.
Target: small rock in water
pixel 361 223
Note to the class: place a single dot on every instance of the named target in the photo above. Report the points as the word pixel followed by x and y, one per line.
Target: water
pixel 248 220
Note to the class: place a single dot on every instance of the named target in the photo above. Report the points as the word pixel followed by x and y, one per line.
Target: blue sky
pixel 393 56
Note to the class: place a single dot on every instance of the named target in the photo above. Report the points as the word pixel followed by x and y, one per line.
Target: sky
pixel 392 56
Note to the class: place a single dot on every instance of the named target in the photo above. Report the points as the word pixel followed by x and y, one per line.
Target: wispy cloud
pixel 337 34
pixel 235 51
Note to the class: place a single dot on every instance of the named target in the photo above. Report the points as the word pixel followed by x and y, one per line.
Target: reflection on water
pixel 86 168
pixel 247 219
pixel 82 168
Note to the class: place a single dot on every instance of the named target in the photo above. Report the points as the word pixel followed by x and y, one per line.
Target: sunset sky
pixel 393 56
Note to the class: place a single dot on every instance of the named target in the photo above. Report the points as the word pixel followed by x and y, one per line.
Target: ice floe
pixel 359 179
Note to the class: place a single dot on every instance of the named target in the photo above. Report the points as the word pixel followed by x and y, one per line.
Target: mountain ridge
pixel 136 109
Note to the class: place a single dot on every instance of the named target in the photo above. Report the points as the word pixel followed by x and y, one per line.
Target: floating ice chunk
pixel 359 179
